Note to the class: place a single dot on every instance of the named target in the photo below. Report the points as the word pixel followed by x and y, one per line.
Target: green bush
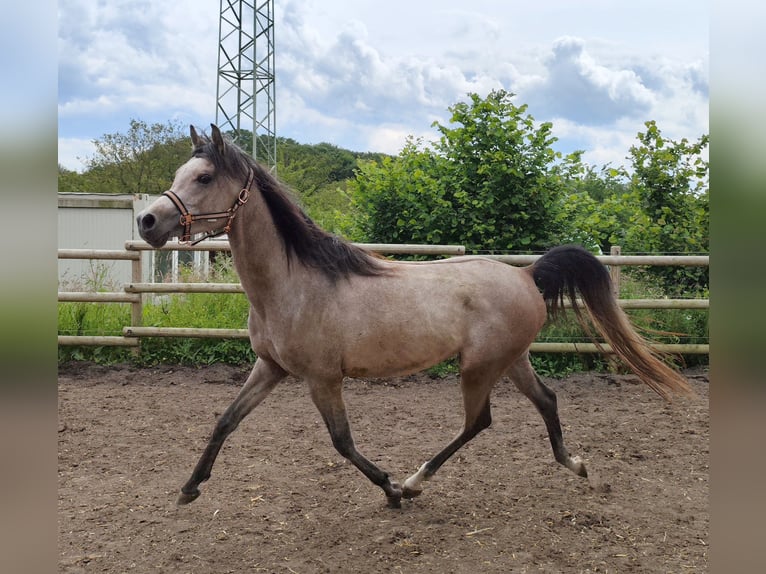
pixel 492 182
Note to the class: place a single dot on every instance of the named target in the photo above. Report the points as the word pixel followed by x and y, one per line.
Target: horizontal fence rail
pixel 106 254
pixel 619 260
pixel 380 248
pixel 537 347
pixel 132 292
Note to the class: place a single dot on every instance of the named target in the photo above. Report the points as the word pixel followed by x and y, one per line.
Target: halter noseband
pixel 188 218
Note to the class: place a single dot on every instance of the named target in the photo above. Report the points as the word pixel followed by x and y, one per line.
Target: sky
pixel 363 77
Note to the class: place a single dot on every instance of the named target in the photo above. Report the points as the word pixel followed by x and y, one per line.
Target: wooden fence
pixel 133 292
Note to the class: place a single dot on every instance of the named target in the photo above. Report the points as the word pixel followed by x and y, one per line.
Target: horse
pixel 322 309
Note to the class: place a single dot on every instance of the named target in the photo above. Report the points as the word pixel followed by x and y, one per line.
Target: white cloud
pixel 363 77
pixel 72 152
pixel 576 86
pixel 129 56
pixel 390 138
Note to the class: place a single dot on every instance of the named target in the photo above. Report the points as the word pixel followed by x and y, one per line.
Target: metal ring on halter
pixel 186 217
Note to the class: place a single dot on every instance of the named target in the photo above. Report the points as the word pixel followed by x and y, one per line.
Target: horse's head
pixel 205 195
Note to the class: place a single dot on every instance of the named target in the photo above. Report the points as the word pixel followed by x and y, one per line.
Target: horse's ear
pixel 218 138
pixel 196 141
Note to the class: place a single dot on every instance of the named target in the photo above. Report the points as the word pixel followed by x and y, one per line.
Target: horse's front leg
pixel 328 398
pixel 262 379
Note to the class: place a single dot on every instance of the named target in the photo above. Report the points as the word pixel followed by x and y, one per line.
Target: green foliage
pixel 490 183
pixel 208 310
pixel 225 311
pixel 445 368
pixel 597 208
pixel 400 200
pixel 318 175
pixel 661 206
pixel 142 160
pixel 668 326
pixel 93 319
pixel 202 310
pixel 688 326
pixel 670 180
pixel 71 182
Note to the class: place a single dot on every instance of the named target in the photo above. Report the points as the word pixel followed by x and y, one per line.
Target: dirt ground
pixel 282 500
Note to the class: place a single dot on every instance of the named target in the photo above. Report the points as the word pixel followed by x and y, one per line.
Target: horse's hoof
pixel 394 495
pixel 187 497
pixel 409 493
pixel 579 467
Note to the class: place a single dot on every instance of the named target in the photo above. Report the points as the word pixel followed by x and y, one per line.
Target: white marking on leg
pixel 413 482
pixel 577 465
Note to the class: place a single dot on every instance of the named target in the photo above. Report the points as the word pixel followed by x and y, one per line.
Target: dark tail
pixel 569 269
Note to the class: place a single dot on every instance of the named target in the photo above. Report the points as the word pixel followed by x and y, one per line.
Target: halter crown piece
pixel 188 218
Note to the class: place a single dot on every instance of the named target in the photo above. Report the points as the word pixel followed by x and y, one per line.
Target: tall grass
pixel 211 310
pixel 92 318
pixel 230 311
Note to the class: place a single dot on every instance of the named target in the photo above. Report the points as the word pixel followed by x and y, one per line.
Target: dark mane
pixel 302 238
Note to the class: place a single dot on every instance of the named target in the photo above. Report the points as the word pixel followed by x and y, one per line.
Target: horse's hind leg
pixel 476 385
pixel 262 379
pixel 528 382
pixel 328 398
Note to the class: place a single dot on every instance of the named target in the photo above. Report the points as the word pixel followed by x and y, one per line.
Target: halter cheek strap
pixel 188 218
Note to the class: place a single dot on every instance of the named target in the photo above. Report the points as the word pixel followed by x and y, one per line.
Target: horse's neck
pixel 258 252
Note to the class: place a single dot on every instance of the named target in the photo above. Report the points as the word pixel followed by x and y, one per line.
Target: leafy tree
pixel 401 199
pixel 491 182
pixel 670 183
pixel 70 181
pixel 598 207
pixel 142 160
pixel 660 205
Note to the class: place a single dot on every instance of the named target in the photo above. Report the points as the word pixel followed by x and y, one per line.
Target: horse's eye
pixel 205 178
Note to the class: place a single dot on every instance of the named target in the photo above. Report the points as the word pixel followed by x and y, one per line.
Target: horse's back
pixel 420 313
pixel 482 279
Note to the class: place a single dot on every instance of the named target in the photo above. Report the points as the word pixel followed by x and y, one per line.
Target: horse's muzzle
pixel 150 231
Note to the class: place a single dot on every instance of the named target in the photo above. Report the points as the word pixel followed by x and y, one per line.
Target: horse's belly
pixel 400 349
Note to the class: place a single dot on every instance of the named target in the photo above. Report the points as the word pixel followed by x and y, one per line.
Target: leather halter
pixel 188 218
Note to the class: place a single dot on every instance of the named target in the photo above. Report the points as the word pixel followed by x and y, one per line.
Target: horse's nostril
pixel 147 222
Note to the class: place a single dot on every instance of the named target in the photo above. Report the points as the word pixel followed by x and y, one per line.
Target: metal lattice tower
pixel 245 93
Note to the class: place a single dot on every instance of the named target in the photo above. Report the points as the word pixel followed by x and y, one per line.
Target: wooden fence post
pixel 614 270
pixel 137 307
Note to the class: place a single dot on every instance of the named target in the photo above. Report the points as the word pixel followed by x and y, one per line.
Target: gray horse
pixel 322 309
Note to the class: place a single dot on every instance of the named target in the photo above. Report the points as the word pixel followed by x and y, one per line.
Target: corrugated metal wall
pixel 95 221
